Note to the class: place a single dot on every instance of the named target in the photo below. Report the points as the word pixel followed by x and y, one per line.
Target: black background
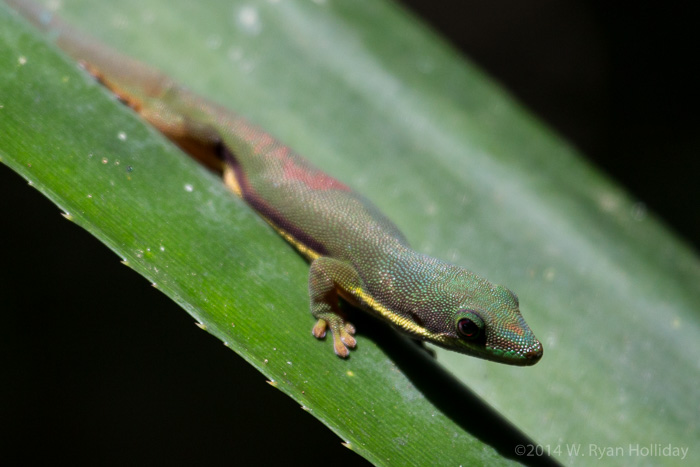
pixel 148 387
pixel 617 79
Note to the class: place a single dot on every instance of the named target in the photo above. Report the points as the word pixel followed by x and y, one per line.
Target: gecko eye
pixel 470 326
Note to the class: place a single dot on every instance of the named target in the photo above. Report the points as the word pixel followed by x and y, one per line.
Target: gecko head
pixel 492 329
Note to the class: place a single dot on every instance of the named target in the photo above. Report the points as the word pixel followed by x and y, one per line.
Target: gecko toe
pixel 350 329
pixel 319 330
pixel 342 333
pixel 348 339
pixel 340 349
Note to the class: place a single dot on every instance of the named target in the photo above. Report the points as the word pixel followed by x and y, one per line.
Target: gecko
pixel 355 252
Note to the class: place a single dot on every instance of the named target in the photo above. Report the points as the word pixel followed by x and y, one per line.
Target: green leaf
pixel 371 97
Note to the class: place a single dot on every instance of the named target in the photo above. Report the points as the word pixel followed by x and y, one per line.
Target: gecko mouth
pixel 522 357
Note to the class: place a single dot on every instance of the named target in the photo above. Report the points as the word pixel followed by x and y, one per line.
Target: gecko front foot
pixel 326 276
pixel 341 331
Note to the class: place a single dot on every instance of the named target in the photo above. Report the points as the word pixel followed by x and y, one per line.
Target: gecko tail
pixel 120 73
pixel 136 84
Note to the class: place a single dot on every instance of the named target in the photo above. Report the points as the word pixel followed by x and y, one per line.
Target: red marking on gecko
pixel 266 146
pixel 262 143
pixel 515 329
pixel 314 179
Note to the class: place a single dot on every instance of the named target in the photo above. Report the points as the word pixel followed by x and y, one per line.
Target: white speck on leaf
pixel 54 5
pixel 213 42
pixel 235 54
pixel 148 17
pixel 122 136
pixel 22 60
pixel 189 188
pixel 249 19
pixel 247 67
pixel 639 211
pixel 426 66
pixel 454 255
pixel 120 21
pixel 609 202
pixel 549 274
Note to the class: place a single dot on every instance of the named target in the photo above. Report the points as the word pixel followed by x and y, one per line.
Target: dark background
pixel 148 387
pixel 617 79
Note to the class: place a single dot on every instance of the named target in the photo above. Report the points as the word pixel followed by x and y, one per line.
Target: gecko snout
pixel 533 355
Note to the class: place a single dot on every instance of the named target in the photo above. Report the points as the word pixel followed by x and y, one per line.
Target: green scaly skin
pixel 355 252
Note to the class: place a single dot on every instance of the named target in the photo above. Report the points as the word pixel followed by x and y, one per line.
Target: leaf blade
pixel 573 233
